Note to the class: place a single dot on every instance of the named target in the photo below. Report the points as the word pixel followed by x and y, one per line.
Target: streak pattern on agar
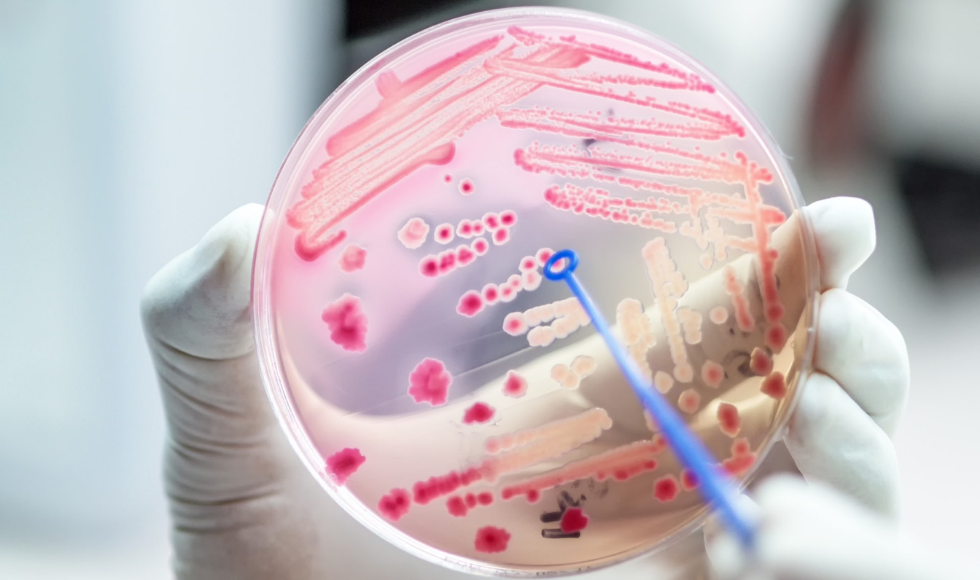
pixel 668 286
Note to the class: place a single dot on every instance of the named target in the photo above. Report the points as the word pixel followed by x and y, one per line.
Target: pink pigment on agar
pixel 470 304
pixel 774 385
pixel 444 233
pixel 395 504
pixel 413 233
pixel 666 488
pixel 689 401
pixel 491 540
pixel 490 294
pixel 515 385
pixel 689 480
pixel 718 315
pixel 742 458
pixel 347 323
pixel 543 255
pixel 491 221
pixel 669 286
pixel 742 315
pixel 712 373
pixel 352 259
pixel 574 520
pixel 501 236
pixel 429 382
pixel 728 419
pixel 344 463
pixel 456 506
pixel 466 187
pixel 760 362
pixel 514 324
pixel 447 261
pixel 478 413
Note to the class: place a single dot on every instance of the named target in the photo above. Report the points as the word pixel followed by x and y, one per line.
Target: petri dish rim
pixel 270 362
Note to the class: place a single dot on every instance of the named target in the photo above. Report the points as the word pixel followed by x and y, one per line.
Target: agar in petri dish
pixel 440 390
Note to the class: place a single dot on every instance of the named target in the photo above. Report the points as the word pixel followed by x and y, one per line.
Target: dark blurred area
pixel 129 127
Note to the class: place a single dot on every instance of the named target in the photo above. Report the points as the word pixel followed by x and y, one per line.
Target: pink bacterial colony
pixel 429 382
pixel 347 323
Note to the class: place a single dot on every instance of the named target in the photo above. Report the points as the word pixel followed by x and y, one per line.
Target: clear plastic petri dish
pixel 437 387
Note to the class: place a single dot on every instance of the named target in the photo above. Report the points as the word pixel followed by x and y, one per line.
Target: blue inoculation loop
pixel 715 485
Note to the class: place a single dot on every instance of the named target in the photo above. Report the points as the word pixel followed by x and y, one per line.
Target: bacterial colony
pixel 657 156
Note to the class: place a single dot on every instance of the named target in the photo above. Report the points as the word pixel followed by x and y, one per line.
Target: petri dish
pixel 445 394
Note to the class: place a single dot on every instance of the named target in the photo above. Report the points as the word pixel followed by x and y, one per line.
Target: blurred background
pixel 129 127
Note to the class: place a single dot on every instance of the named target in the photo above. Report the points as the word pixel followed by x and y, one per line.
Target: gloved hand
pixel 810 532
pixel 243 505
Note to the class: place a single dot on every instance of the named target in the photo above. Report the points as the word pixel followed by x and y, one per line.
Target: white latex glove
pixel 810 532
pixel 243 505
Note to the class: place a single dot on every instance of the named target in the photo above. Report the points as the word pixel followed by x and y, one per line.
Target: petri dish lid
pixel 437 387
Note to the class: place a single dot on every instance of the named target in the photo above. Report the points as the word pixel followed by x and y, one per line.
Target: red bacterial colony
pixel 728 419
pixel 666 489
pixel 478 413
pixel 689 480
pixel 470 303
pixel 742 458
pixel 689 401
pixel 394 505
pixel 466 187
pixel 490 539
pixel 515 385
pixel 444 233
pixel 352 259
pixel 456 506
pixel 774 385
pixel 712 373
pixel 574 520
pixel 429 382
pixel 760 362
pixel 347 323
pixel 344 463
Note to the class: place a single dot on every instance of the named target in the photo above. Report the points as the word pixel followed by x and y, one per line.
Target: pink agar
pixel 344 463
pixel 429 382
pixel 347 323
pixel 515 385
pixel 413 233
pixel 352 259
pixel 574 520
pixel 490 539
pixel 478 413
